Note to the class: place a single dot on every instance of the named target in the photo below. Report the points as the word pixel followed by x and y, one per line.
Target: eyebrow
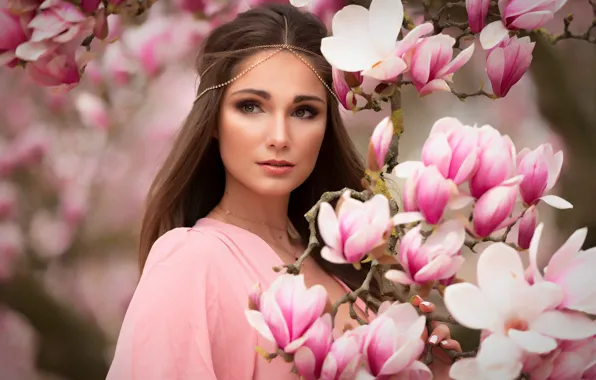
pixel 265 95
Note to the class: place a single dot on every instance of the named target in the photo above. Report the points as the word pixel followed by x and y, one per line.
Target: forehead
pixel 283 73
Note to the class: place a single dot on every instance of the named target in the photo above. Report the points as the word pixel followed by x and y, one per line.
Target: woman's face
pixel 272 123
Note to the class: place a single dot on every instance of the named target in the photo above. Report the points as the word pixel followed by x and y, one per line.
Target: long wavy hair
pixel 191 181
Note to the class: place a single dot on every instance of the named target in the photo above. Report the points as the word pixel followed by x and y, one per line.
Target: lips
pixel 276 163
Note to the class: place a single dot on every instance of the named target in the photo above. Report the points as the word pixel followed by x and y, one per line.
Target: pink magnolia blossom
pixel 58 22
pixel 392 343
pixel 496 161
pixel 379 144
pixel 355 230
pixel 287 311
pixel 343 358
pixel 519 14
pixel 527 226
pixel 503 303
pixel 347 96
pixel 508 62
pixel 541 169
pixel 435 259
pixel 364 40
pixel 430 63
pixel 56 70
pixel 432 194
pixel 310 357
pixel 493 210
pixel 14 32
pixel 453 149
pixel 477 12
pixel 570 268
pixel 498 358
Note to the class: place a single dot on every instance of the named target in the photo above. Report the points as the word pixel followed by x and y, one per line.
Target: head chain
pixel 278 48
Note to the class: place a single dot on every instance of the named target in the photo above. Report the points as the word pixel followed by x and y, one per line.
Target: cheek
pixel 310 144
pixel 236 140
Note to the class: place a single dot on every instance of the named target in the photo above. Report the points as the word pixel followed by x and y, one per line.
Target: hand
pixel 439 339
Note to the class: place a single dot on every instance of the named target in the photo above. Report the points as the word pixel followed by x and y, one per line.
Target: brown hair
pixel 192 180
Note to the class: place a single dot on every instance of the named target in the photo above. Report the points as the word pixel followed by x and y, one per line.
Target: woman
pixel 263 141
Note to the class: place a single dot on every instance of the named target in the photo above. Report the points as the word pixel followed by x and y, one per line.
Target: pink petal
pixel 403 357
pixel 333 256
pixel 307 308
pixel 407 168
pixel 440 268
pixel 565 255
pixel 275 320
pixel 436 151
pixel 434 85
pixel 359 244
pixel 410 40
pixel 461 59
pixel 305 362
pixel 477 12
pixel 532 20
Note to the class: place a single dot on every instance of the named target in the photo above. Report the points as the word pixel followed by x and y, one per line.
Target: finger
pixel 439 334
pixel 451 344
pixel 427 307
pixel 417 300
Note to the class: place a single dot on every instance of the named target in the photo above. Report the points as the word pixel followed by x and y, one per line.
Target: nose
pixel 278 136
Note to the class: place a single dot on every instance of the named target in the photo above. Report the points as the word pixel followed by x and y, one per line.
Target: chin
pixel 279 188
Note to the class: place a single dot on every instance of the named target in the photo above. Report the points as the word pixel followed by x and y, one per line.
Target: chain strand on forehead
pixel 278 48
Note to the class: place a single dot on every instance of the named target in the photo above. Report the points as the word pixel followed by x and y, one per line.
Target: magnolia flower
pixel 14 32
pixel 571 269
pixel 357 228
pixel 477 12
pixel 493 210
pixel 343 358
pixel 93 110
pixel 379 144
pixel 364 40
pixel 58 22
pixel 392 343
pixel 435 259
pixel 56 69
pixel 431 65
pixel 310 357
pixel 287 310
pixel 503 303
pixel 343 91
pixel 519 14
pixel 541 169
pixel 496 160
pixel 527 226
pixel 508 62
pixel 453 149
pixel 498 358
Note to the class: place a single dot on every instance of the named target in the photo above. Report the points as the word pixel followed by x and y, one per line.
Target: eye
pixel 248 107
pixel 306 113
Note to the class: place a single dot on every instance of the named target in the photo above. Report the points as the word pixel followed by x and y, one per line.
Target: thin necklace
pixel 220 210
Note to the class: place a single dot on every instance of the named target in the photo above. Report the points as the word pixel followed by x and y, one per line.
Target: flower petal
pixel 469 306
pixel 407 217
pixel 492 34
pixel 399 277
pixel 385 20
pixel 329 226
pixel 349 54
pixel 256 321
pixel 564 325
pixel 533 341
pixel 556 202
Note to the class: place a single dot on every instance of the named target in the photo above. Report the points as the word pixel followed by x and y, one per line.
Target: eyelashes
pixel 253 107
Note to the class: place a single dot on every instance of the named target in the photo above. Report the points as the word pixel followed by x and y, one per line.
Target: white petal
pixel 256 320
pixel 469 306
pixel 407 168
pixel 533 252
pixel 349 54
pixel 533 341
pixel 564 325
pixel 564 256
pixel 351 22
pixel 398 276
pixel 556 202
pixel 492 34
pixel 385 19
pixel 300 3
pixel 407 218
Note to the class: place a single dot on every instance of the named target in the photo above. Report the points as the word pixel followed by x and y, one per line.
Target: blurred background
pixel 75 167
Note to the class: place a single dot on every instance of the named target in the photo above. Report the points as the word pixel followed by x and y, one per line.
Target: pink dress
pixel 186 319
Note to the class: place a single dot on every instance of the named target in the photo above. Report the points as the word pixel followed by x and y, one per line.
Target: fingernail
pixel 425 303
pixel 444 342
pixel 433 339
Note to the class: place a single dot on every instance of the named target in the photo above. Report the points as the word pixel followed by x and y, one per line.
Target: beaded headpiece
pixel 278 48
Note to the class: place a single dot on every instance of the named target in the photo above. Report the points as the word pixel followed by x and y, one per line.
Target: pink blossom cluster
pixel 294 318
pixel 463 165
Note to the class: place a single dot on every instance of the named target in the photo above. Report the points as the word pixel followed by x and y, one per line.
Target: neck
pixel 265 216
